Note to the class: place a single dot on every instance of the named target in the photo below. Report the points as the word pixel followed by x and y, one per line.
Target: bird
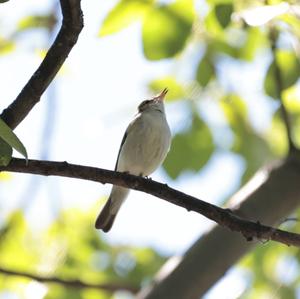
pixel 143 149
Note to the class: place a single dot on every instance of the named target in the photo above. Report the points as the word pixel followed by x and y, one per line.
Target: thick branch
pixel 75 283
pixel 72 25
pixel 250 230
pixel 279 89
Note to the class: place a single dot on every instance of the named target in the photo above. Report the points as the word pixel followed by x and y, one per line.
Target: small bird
pixel 144 147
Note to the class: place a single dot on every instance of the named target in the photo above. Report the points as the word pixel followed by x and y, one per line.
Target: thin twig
pixel 279 89
pixel 249 229
pixel 71 27
pixel 74 283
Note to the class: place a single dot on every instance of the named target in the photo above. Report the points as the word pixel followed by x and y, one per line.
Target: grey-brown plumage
pixel 144 147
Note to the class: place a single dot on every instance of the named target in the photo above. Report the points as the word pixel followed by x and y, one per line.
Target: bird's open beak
pixel 162 95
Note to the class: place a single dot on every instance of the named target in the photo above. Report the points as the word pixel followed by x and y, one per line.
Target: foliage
pixel 197 139
pixel 9 140
pixel 228 32
pixel 289 65
pixel 222 33
pixel 71 249
pixel 274 269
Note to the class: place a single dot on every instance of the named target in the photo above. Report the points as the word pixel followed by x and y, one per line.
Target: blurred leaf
pixel 214 2
pixel 190 150
pixel 47 21
pixel 276 136
pixel 254 41
pixel 176 91
pixel 9 136
pixel 205 71
pixel 72 249
pixel 5 153
pixel 167 28
pixel 123 14
pixel 256 152
pixel 296 123
pixel 291 99
pixel 3 1
pixel 212 25
pixel 293 21
pixel 247 143
pixel 94 294
pixel 218 46
pixel 289 67
pixel 287 292
pixel 235 111
pixel 223 13
pixel 5 176
pixel 64 293
pixel 6 46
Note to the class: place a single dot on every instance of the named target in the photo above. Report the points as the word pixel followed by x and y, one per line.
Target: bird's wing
pixel 123 141
pixel 125 137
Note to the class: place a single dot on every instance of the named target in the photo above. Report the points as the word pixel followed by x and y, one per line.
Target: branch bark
pixel 249 229
pixel 71 27
pixel 74 283
pixel 270 196
pixel 279 89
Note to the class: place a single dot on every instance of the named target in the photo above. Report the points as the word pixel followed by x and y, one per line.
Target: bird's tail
pixel 109 212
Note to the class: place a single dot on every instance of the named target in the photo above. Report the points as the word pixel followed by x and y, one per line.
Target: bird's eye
pixel 144 104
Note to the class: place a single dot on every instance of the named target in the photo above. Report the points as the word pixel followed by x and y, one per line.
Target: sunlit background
pixel 82 118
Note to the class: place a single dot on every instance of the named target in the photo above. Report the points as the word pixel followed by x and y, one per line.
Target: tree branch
pixel 270 196
pixel 279 89
pixel 75 283
pixel 71 27
pixel 249 229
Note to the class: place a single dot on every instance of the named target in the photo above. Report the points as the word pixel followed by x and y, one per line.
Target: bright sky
pixel 97 93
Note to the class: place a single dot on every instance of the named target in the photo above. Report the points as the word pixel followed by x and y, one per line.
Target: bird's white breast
pixel 147 143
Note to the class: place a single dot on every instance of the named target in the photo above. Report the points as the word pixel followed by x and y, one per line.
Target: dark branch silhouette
pixel 73 283
pixel 279 89
pixel 249 229
pixel 72 24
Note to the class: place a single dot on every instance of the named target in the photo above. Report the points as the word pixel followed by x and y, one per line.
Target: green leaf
pixel 214 2
pixel 47 21
pixel 176 90
pixel 218 46
pixel 223 13
pixel 123 14
pixel 212 26
pixel 254 41
pixel 6 46
pixel 190 150
pixel 289 67
pixel 291 100
pixel 5 153
pixel 167 28
pixel 253 148
pixel 3 1
pixel 293 21
pixel 205 71
pixel 9 136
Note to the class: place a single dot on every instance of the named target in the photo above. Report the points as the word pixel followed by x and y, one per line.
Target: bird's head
pixel 156 103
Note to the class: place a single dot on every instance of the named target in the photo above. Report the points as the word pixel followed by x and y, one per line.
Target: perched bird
pixel 145 145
